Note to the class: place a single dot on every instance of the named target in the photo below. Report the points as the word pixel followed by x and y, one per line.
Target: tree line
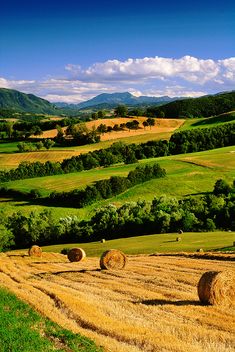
pixel 163 214
pixel 22 130
pixel 107 188
pixel 195 107
pixel 180 142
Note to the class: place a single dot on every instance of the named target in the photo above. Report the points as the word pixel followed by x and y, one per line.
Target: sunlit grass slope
pixel 22 329
pixel 190 242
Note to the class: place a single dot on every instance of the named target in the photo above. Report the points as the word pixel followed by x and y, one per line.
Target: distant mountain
pixel 18 101
pixel 106 100
pixel 206 106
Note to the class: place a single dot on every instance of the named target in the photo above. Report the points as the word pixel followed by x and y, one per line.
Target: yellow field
pixel 151 305
pixel 12 160
pixel 162 130
pixel 161 126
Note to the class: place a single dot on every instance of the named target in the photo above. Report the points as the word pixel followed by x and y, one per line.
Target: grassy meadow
pixel 187 174
pixel 161 243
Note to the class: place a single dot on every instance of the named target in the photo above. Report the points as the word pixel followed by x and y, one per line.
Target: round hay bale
pixel 113 259
pixel 200 250
pixel 233 244
pixel 35 251
pixel 181 232
pixel 178 239
pixel 76 254
pixel 103 240
pixel 217 287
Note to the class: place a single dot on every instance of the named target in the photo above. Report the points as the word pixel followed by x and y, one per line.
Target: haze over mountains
pixel 13 99
pixel 172 107
pixel 111 100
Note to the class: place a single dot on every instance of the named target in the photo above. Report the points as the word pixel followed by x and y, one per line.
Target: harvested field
pixel 13 160
pixel 151 305
pixel 161 126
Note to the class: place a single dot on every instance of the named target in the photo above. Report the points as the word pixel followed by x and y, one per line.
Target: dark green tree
pixel 48 143
pixel 121 110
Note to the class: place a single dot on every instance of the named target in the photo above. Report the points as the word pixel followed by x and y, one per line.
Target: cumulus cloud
pixel 153 76
pixel 188 68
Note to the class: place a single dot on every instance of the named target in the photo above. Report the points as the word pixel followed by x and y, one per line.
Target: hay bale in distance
pixel 103 240
pixel 178 239
pixel 200 250
pixel 217 287
pixel 35 251
pixel 181 232
pixel 76 254
pixel 113 259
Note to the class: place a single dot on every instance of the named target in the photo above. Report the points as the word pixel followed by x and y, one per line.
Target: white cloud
pixel 189 68
pixel 229 68
pixel 153 76
pixel 4 83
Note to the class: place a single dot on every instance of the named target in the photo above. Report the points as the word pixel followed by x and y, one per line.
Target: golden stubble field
pixel 161 125
pixel 151 305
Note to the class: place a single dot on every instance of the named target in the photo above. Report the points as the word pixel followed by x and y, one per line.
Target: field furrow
pixel 151 305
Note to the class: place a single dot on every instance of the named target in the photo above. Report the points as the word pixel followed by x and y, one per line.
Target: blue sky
pixel 73 50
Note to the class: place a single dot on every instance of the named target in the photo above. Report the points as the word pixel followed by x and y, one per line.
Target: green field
pixel 187 174
pixel 191 241
pixel 22 329
pixel 9 147
pixel 209 121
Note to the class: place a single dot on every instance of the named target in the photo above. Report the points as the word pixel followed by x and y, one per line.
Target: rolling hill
pixel 206 106
pixel 21 102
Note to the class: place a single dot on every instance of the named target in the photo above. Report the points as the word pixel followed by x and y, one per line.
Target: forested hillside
pixel 14 100
pixel 196 107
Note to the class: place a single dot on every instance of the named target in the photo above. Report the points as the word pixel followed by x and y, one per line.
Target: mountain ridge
pixel 113 99
pixel 18 101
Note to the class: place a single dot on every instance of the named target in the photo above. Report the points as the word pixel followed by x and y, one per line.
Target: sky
pixel 71 51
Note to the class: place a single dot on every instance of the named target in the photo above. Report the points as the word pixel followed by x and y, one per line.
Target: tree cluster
pixel 35 147
pixel 190 141
pixel 107 188
pixel 24 129
pixel 77 135
pixel 163 214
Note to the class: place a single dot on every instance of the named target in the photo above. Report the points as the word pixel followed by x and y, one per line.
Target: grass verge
pixel 22 329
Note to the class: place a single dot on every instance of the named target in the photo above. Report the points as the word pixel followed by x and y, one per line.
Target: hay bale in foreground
pixel 178 239
pixel 35 251
pixel 217 287
pixel 76 254
pixel 113 259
